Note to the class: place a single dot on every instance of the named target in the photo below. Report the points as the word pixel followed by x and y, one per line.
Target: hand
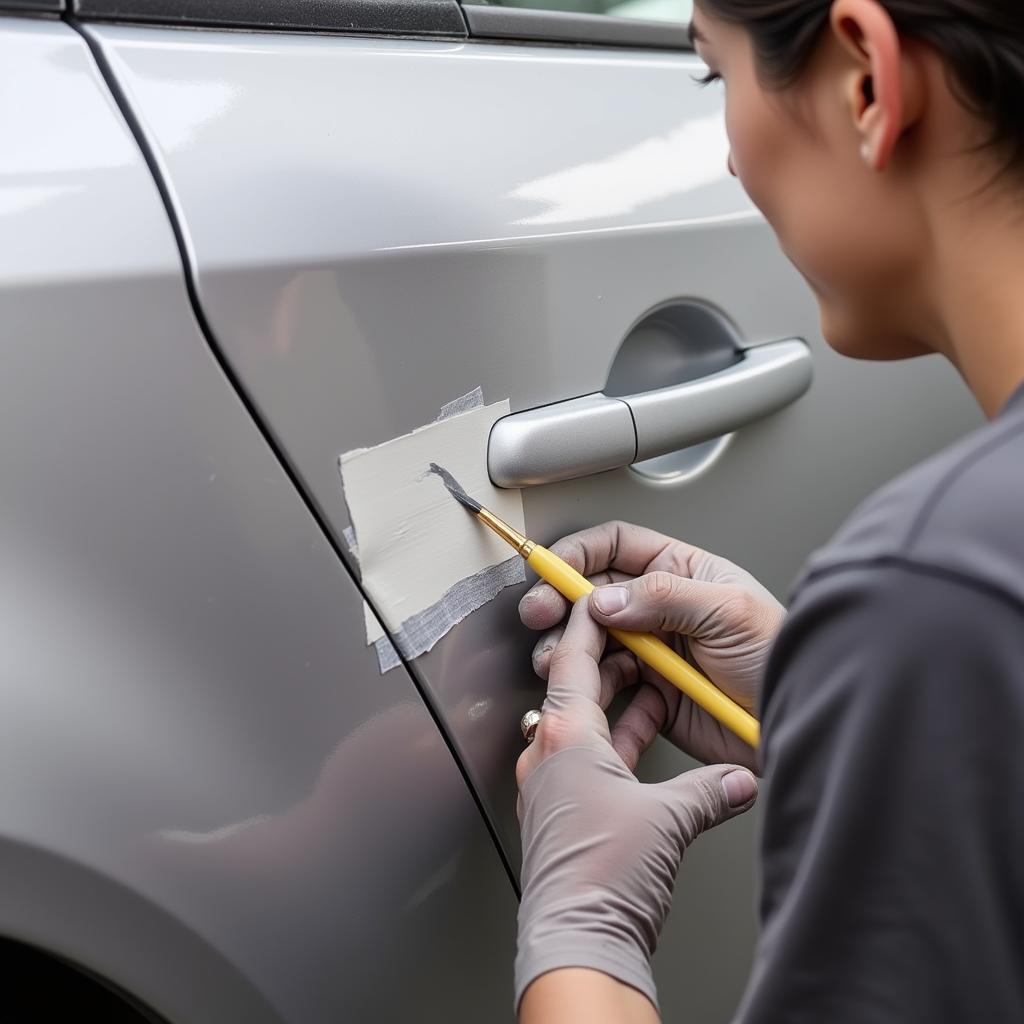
pixel 600 849
pixel 705 606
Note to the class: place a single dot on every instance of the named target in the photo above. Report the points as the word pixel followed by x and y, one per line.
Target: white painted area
pixel 374 630
pixel 415 540
pixel 372 625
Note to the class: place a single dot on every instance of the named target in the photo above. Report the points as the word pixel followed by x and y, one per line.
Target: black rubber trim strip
pixel 486 22
pixel 48 6
pixel 190 277
pixel 365 17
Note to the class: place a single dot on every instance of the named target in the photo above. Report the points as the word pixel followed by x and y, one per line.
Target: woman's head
pixel 871 133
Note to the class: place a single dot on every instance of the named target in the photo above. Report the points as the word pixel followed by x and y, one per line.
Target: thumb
pixel 659 600
pixel 705 797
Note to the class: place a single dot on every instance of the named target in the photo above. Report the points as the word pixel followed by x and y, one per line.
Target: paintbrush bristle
pixel 455 488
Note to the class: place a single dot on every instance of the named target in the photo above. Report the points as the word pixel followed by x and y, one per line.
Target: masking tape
pixel 426 564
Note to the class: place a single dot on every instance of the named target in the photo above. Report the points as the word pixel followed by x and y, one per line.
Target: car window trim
pixel 430 18
pixel 32 6
pixel 532 25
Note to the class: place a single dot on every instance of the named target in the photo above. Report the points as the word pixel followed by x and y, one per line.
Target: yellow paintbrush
pixel 649 649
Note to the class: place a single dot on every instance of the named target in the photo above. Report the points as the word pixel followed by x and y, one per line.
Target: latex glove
pixel 709 609
pixel 600 849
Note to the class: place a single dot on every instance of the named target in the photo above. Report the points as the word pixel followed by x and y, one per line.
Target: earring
pixel 865 152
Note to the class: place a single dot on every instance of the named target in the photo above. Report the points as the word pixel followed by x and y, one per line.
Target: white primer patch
pixel 426 563
pixel 387 656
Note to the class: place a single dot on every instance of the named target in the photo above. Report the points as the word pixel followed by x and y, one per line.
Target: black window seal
pixel 528 25
pixel 415 18
pixel 445 19
pixel 32 6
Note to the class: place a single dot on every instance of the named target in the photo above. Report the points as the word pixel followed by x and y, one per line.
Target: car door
pixel 382 207
pixel 213 807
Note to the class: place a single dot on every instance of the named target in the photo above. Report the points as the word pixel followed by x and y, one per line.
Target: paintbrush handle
pixel 651 651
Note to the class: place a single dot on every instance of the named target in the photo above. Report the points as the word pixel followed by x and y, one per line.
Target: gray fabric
pixel 464 403
pixel 892 712
pixel 350 539
pixel 387 656
pixel 421 631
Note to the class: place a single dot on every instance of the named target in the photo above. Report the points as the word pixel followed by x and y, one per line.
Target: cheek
pixel 780 169
pixel 752 154
pixel 808 196
pixel 857 249
pixel 849 238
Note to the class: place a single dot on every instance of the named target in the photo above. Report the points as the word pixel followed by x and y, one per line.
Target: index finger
pixel 543 606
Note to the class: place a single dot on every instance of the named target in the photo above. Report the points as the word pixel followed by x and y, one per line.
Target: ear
pixel 875 89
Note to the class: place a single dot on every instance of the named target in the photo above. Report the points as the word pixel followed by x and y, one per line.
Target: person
pixel 883 141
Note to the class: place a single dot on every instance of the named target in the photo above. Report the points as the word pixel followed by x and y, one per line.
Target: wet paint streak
pixel 455 488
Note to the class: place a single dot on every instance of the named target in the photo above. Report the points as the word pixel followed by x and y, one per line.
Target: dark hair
pixel 981 41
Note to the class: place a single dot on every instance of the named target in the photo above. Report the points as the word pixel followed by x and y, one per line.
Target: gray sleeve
pixel 893 843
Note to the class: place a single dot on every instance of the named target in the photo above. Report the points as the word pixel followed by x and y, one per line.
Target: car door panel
pixel 211 799
pixel 375 227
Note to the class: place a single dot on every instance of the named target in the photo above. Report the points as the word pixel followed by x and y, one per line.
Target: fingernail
pixel 739 787
pixel 610 600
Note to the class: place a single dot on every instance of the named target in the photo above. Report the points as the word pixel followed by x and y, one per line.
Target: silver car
pixel 239 238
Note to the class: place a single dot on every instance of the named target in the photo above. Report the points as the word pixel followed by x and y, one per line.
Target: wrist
pixel 552 946
pixel 584 996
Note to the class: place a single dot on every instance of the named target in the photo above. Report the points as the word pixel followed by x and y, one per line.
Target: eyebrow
pixel 694 33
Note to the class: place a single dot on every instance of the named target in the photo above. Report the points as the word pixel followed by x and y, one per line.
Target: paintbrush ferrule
pixel 511 536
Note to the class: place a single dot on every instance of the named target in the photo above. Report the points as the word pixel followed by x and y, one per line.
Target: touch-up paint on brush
pixel 649 649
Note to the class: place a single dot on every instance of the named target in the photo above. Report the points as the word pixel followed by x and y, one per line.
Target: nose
pixel 730 164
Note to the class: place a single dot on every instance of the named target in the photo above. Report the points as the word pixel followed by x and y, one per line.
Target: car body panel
pixel 377 226
pixel 212 799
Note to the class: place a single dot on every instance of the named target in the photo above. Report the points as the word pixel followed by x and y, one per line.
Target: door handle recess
pixel 597 432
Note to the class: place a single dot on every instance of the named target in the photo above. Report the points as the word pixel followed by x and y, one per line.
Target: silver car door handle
pixel 597 432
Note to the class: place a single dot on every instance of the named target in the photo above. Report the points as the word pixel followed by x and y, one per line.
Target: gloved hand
pixel 709 609
pixel 600 849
